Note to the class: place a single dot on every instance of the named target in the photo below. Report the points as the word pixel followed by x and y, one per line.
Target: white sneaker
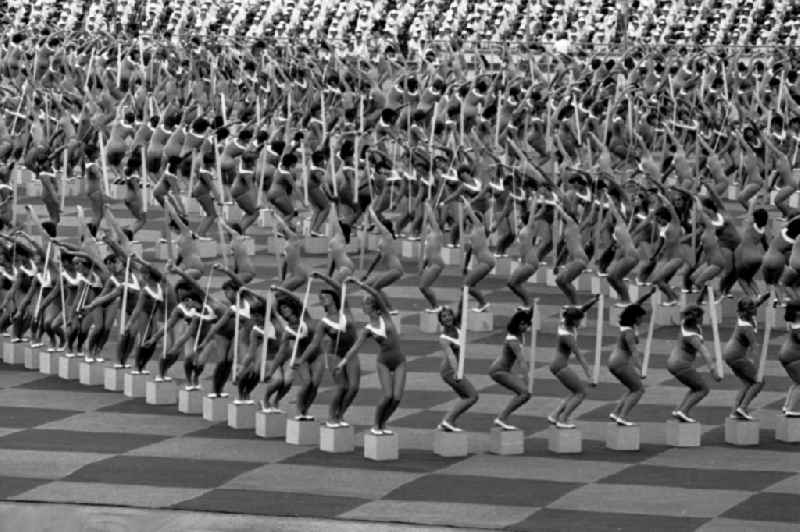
pixel 744 414
pixel 561 425
pixel 625 423
pixel 503 425
pixel 344 423
pixel 376 431
pixel 435 310
pixel 552 420
pixel 683 417
pixel 332 424
pixel 387 432
pixel 448 427
pixel 158 379
pixel 613 416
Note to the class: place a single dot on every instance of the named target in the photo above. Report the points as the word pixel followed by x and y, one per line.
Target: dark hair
pixel 333 295
pixel 286 301
pixel 692 315
pixel 49 228
pixel 663 213
pixel 518 321
pixel 746 306
pixel 572 316
pixel 630 314
pixel 792 311
pixel 230 284
pixel 760 217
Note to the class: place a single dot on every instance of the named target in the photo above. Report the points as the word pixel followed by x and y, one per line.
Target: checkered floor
pixel 64 442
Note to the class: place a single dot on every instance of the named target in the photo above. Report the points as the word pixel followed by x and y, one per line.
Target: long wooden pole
pixel 712 311
pixel 300 323
pixel 267 328
pixel 535 324
pixel 462 333
pixel 598 342
pixel 648 345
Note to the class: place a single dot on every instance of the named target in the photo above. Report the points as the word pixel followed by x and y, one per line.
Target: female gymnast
pixel 681 360
pixel 736 353
pixel 391 364
pixel 478 247
pixel 571 319
pixel 789 357
pixel 432 264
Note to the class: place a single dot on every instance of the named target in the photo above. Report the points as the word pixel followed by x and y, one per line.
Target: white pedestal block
pixel 13 353
pixel 48 362
pixel 788 429
pixel 250 245
pixel 564 441
pixel 429 322
pixel 680 434
pixel 215 409
pixel 265 218
pixel 480 321
pixel 619 438
pixel 741 432
pixel 190 401
pixel 550 277
pixel 162 252
pixel 302 432
pixel 31 356
pixel 135 384
pixel 315 245
pixel 667 316
pixel 584 282
pixel 208 249
pixel 33 188
pixel 450 444
pixel 74 187
pixel 276 245
pixel 410 249
pixel 502 267
pixel 91 373
pixel 114 379
pixel 599 285
pixel 270 424
pixel 453 256
pixel 68 367
pixel 160 393
pixel 381 448
pixel 338 440
pixel 242 415
pixel 117 191
pixel 506 442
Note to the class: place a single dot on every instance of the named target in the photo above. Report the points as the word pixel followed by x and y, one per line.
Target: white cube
pixel 242 415
pixel 480 321
pixel 429 322
pixel 502 267
pixel 453 256
pixel 506 442
pixel 207 248
pixel 270 424
pixel 410 249
pixel 450 444
pixel 90 373
pixel 114 379
pixel 190 401
pixel 681 434
pixel 68 367
pixel 31 358
pixel 160 393
pixel 13 354
pixel 788 429
pixel 48 362
pixel 336 440
pixel 381 448
pixel 215 408
pixel 741 432
pixel 305 432
pixel 135 384
pixel 564 441
pixel 620 438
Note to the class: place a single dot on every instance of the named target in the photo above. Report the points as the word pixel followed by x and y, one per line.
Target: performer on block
pixel 681 361
pixel 501 369
pixel 737 353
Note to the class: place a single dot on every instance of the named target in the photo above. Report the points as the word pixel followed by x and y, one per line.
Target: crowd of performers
pixel 612 164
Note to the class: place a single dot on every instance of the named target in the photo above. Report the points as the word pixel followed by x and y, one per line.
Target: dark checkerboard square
pixel 475 490
pixel 271 503
pixel 165 472
pixel 54 383
pixel 547 520
pixel 410 461
pixel 782 507
pixel 223 431
pixel 23 417
pixel 139 406
pixel 13 486
pixel 677 477
pixel 74 441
